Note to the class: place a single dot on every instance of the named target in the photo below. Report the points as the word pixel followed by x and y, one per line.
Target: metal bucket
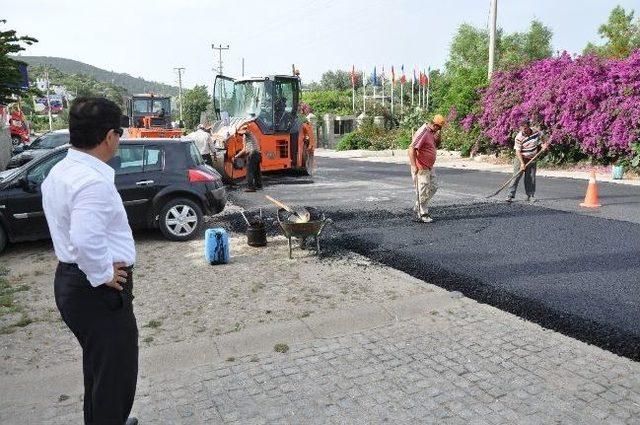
pixel 256 233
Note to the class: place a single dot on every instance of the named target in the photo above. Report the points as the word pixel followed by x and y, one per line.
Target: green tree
pixel 465 72
pixel 324 101
pixel 518 49
pixel 621 33
pixel 10 75
pixel 339 80
pixel 195 102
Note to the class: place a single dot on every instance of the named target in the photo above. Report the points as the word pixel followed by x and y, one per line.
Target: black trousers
pixel 102 320
pixel 254 175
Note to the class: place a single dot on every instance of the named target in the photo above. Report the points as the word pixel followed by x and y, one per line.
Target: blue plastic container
pixel 617 171
pixel 216 246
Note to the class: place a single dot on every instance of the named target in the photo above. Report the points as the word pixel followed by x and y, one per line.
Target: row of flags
pixel 421 80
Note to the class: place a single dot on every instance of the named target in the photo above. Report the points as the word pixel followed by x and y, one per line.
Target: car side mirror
pixel 124 121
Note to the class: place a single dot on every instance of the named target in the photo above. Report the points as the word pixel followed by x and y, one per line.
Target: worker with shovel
pixel 528 143
pixel 422 156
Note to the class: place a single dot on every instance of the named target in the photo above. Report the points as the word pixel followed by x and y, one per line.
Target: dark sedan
pixel 163 183
pixel 22 154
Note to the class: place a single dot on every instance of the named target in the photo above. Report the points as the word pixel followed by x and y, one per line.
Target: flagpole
pixel 420 91
pixel 393 83
pixel 423 95
pixel 392 96
pixel 364 94
pixel 413 80
pixel 428 85
pixel 353 88
pixel 374 95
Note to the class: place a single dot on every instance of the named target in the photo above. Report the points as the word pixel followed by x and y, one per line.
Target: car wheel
pixel 3 239
pixel 180 219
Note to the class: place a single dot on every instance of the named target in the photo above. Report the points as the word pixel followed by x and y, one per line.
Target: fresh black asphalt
pixel 573 271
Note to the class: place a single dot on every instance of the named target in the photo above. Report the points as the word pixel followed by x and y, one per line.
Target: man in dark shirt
pixel 251 151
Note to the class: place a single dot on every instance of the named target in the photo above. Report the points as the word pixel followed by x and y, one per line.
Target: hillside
pixel 126 81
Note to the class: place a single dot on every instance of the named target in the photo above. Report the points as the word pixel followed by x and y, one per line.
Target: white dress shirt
pixel 202 139
pixel 86 217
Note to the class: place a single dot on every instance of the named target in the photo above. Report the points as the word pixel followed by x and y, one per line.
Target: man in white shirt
pixel 94 245
pixel 203 141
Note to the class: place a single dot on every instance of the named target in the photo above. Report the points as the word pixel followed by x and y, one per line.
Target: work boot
pixel 249 189
pixel 426 218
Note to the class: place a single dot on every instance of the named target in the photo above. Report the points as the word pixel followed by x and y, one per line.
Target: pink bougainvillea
pixel 588 101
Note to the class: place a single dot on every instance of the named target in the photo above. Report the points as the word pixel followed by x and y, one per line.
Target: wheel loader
pixel 150 116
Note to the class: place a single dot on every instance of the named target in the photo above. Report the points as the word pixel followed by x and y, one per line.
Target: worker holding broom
pixel 422 156
pixel 528 143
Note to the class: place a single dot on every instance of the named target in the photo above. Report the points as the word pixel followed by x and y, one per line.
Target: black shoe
pixel 258 187
pixel 131 421
pixel 249 189
pixel 509 200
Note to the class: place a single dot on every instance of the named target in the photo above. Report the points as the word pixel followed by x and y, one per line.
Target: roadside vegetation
pixel 589 104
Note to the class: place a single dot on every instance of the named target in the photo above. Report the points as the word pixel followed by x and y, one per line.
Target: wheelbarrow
pixel 303 231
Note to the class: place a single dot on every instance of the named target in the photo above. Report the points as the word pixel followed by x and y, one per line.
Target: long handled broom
pixel 513 177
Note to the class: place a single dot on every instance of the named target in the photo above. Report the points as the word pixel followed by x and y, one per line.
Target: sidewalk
pixel 449 159
pixel 431 358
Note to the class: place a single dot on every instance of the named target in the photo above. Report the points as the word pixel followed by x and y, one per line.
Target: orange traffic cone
pixel 591 198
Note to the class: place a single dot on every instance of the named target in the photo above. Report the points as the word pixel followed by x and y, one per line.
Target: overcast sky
pixel 149 38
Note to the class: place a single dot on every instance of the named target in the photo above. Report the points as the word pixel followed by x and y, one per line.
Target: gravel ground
pixel 180 297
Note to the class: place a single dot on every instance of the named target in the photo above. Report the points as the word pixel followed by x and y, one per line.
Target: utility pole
pixel 46 79
pixel 219 49
pixel 492 36
pixel 180 70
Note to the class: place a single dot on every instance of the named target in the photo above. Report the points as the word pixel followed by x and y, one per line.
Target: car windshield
pixel 151 106
pixel 50 141
pixel 247 98
pixel 252 99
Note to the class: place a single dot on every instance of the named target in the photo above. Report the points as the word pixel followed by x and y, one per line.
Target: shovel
pixel 300 215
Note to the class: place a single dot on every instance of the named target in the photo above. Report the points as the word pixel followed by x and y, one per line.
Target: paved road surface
pixel 554 263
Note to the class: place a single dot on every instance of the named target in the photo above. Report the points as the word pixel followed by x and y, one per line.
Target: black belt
pixel 75 266
pixel 127 288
